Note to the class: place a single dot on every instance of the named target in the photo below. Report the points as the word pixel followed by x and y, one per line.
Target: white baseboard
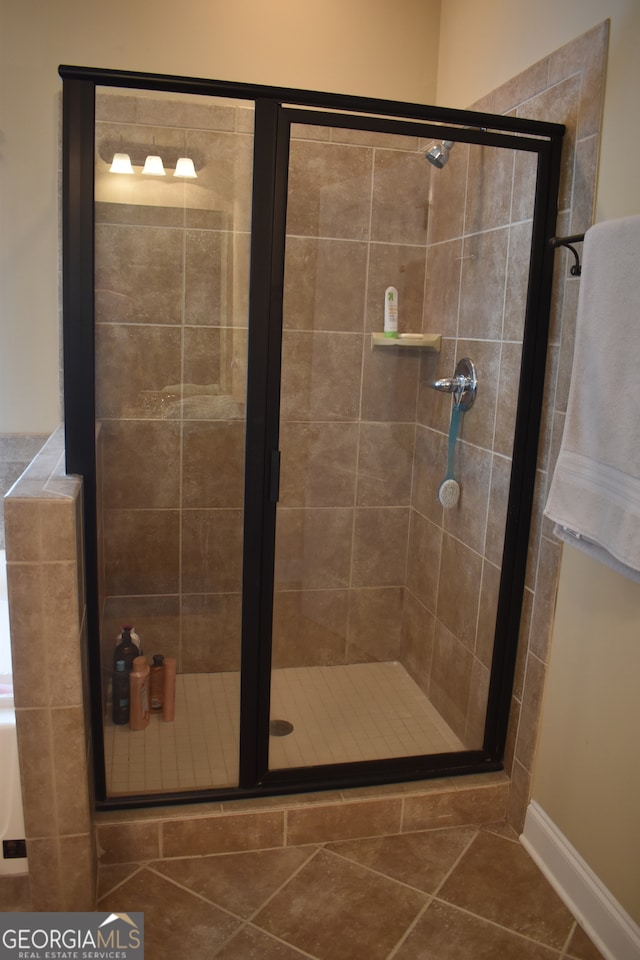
pixel 610 927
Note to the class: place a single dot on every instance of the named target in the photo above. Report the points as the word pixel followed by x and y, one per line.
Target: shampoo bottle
pixel 120 693
pixel 169 696
pixel 391 312
pixel 125 649
pixel 139 694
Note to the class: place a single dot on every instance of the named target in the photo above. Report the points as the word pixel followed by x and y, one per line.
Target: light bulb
pixel 153 165
pixel 121 163
pixel 185 168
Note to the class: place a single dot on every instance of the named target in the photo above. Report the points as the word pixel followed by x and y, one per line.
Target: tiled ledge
pixel 239 825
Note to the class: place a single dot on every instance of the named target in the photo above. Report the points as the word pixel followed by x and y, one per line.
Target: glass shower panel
pixel 356 224
pixel 385 603
pixel 172 274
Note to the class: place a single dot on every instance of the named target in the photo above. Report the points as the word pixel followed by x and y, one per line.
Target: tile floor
pixel 364 711
pixel 460 893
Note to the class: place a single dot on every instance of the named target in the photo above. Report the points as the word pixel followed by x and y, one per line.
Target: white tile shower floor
pixel 339 714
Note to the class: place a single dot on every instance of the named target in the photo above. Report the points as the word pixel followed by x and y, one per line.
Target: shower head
pixel 438 154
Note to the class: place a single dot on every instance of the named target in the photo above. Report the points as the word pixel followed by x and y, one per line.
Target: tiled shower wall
pixel 171 312
pixel 565 87
pixel 360 531
pixel 477 267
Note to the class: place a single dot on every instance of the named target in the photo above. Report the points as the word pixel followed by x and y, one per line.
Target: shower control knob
pixel 463 384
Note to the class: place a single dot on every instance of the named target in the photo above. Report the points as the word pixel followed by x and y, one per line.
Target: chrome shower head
pixel 438 154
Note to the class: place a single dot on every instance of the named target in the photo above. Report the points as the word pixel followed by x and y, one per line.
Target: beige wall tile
pixel 459 589
pixel 37 776
pixel 45 874
pixel 450 680
pixel 138 276
pixel 213 464
pixel 313 548
pixel 385 460
pixel 491 174
pixel 211 552
pixel 329 190
pixel 129 842
pixel 222 834
pixel 318 464
pixel 125 386
pixel 444 265
pixel 375 622
pixel 309 627
pixel 423 562
pixel 78 873
pixel 446 212
pixel 319 823
pixel 324 284
pixel 416 649
pixel 320 376
pixel 140 464
pixel 454 808
pixel 400 197
pixel 380 546
pixel 141 551
pixel 211 631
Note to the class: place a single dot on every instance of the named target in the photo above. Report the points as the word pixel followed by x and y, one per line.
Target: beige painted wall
pixel 587 776
pixel 319 45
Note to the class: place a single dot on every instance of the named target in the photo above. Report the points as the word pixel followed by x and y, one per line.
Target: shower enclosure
pixel 261 465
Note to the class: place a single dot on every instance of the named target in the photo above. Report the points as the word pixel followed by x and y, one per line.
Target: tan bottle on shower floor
pixel 139 694
pixel 169 696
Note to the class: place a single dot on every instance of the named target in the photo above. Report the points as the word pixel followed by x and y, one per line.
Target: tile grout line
pixel 432 897
pixel 499 926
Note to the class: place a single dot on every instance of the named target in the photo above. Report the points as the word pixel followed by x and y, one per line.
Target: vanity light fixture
pixel 185 168
pixel 121 163
pixel 153 166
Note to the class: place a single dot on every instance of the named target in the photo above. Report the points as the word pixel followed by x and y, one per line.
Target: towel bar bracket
pixel 568 242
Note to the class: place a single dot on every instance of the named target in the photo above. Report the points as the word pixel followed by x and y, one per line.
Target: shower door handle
pixel 274 476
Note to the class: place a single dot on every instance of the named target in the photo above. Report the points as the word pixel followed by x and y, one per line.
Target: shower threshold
pixel 366 711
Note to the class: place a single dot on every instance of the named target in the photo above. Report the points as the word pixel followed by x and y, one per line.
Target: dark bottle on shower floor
pixel 156 683
pixel 120 693
pixel 126 649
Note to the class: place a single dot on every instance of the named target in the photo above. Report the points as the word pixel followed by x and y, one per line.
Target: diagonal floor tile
pixel 337 910
pixel 445 933
pixel 420 859
pixel 240 882
pixel 252 944
pixel 176 923
pixel 497 879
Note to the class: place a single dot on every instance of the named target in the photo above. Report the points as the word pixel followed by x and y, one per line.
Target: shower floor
pixel 366 711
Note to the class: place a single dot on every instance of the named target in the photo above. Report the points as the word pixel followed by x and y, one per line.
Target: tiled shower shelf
pixel 419 341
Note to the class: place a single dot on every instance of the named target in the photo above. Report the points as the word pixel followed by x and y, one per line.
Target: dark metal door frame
pixel 275 110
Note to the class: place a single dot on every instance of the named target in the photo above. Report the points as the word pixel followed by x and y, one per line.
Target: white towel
pixel 594 498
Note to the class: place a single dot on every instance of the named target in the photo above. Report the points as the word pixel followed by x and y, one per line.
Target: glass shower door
pixel 172 275
pixel 357 223
pixel 385 602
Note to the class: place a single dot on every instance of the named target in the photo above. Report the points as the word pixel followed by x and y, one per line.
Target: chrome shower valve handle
pixel 463 384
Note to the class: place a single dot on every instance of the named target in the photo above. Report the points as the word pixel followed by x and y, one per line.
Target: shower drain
pixel 280 728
